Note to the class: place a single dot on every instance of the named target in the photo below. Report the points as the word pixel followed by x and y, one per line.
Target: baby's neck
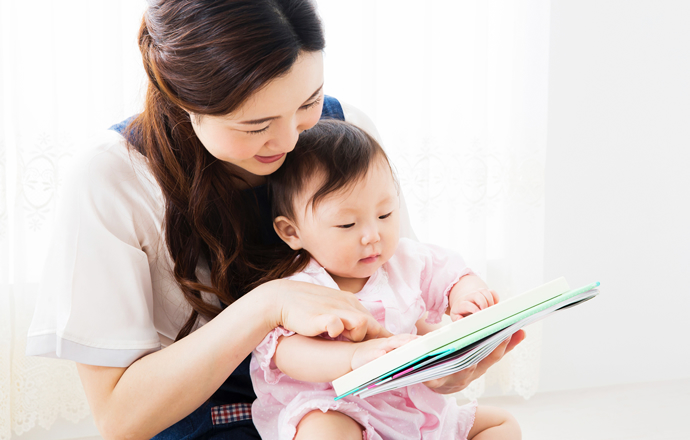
pixel 353 285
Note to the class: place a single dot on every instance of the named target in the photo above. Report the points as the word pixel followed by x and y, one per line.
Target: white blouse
pixel 108 295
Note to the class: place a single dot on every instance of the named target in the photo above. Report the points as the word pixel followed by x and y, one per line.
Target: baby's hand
pixel 367 351
pixel 464 304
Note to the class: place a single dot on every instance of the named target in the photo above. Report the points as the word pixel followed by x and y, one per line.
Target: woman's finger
pixel 359 325
pixel 333 325
pixel 309 310
pixel 500 351
pixel 455 382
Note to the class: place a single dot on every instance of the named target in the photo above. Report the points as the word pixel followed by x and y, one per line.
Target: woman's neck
pixel 246 179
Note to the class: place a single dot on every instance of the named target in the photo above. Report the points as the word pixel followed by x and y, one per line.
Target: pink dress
pixel 414 281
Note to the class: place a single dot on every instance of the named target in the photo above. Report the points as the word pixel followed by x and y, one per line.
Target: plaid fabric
pixel 232 412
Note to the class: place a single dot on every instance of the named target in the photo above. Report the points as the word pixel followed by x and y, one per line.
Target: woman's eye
pixel 385 216
pixel 258 131
pixel 311 104
pixel 346 226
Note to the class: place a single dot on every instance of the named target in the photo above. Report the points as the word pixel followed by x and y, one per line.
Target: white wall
pixel 618 191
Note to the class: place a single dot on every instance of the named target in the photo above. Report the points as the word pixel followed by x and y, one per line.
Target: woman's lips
pixel 269 159
pixel 370 259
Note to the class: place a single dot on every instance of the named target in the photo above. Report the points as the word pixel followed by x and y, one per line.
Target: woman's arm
pixel 161 388
pixel 322 360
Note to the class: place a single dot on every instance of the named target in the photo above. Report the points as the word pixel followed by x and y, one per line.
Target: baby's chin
pixel 365 272
pixel 356 272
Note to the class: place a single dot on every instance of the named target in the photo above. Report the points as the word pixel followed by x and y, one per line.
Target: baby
pixel 336 204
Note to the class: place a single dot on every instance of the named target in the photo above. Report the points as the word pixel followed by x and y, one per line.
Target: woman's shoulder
pixel 104 167
pixel 357 117
pixel 108 185
pixel 106 158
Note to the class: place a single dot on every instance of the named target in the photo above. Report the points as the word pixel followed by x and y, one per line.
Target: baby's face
pixel 352 233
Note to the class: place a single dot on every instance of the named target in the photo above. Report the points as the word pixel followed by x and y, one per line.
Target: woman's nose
pixel 286 138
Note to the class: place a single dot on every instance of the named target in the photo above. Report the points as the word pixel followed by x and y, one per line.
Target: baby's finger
pixel 489 296
pixel 495 296
pixel 483 298
pixel 464 308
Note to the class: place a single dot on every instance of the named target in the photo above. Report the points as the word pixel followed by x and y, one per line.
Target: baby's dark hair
pixel 341 154
pixel 338 152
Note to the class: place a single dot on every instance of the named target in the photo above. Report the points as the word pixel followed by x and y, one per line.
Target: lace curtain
pixel 458 91
pixel 68 69
pixel 456 88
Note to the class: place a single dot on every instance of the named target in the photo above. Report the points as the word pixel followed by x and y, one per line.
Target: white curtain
pixel 68 69
pixel 456 88
pixel 458 91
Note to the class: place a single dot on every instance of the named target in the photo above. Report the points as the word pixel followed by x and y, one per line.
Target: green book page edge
pixel 500 325
pixel 481 334
pixel 466 326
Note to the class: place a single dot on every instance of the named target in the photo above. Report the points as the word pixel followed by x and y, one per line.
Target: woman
pixel 164 224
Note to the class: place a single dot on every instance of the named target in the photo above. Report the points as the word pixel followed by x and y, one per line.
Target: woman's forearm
pixel 160 389
pixel 314 359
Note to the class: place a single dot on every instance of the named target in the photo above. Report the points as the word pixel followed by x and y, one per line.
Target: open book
pixel 461 344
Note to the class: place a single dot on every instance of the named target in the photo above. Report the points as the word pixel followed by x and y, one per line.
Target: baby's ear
pixel 288 232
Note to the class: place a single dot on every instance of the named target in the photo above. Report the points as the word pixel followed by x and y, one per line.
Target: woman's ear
pixel 288 232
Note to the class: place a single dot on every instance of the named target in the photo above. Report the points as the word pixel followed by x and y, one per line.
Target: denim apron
pixel 227 414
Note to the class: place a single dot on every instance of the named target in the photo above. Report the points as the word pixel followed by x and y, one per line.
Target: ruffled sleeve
pixel 440 269
pixel 95 302
pixel 263 355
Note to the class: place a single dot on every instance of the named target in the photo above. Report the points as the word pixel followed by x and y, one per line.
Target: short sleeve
pixel 441 269
pixel 95 301
pixel 263 356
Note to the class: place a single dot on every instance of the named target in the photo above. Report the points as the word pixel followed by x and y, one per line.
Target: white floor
pixel 654 411
pixel 649 411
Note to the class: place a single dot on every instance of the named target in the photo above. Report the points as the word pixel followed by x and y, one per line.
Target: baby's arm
pixel 469 295
pixel 322 360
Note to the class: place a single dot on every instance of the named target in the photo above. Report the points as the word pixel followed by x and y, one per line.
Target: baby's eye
pixel 346 226
pixel 385 216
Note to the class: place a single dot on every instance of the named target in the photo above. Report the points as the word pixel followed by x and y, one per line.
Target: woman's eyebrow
pixel 270 118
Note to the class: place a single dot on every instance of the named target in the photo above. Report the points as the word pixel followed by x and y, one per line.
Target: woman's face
pixel 255 138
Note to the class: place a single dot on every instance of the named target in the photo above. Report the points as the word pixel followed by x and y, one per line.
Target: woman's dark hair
pixel 208 57
pixel 338 153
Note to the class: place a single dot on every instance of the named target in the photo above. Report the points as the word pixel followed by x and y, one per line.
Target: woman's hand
pixel 310 310
pixel 460 380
